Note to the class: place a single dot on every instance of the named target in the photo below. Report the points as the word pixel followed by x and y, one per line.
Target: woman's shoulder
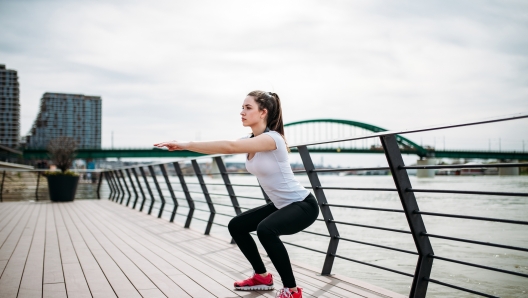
pixel 276 136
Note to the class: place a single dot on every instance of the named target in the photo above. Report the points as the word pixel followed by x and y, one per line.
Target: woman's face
pixel 250 113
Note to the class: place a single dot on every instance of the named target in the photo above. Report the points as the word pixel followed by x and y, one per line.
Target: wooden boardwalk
pixel 98 248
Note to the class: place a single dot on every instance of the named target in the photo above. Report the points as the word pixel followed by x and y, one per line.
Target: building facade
pixel 9 108
pixel 72 115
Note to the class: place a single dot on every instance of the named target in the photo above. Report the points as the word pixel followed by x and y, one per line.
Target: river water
pixel 494 283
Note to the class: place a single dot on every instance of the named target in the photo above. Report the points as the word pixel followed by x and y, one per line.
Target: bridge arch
pixel 404 142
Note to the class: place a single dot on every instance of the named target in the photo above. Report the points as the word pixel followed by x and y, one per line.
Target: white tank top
pixel 275 175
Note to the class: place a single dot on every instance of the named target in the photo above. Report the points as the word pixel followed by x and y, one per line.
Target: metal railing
pixel 421 278
pixel 149 189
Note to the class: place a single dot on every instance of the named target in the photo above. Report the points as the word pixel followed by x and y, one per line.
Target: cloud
pixel 171 69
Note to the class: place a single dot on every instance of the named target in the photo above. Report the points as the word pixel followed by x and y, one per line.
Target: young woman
pixel 292 208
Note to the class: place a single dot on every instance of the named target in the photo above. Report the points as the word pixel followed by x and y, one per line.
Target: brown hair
pixel 271 102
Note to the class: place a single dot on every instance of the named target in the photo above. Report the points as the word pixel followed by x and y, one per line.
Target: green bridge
pixel 306 131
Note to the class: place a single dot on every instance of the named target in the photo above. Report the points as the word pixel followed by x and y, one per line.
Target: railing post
pixel 117 193
pixel 169 186
pixel 325 210
pixel 415 221
pixel 227 182
pixel 36 190
pixel 188 197
pixel 133 188
pixel 198 173
pixel 143 196
pixel 120 187
pixel 151 169
pixel 149 190
pixel 112 183
pixel 229 187
pixel 126 186
pixel 100 176
pixel 107 176
pixel 2 187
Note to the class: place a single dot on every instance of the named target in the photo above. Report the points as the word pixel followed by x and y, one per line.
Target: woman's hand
pixel 172 145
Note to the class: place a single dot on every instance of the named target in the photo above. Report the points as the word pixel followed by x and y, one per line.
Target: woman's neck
pixel 258 129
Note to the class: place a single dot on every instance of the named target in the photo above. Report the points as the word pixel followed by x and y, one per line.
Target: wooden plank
pixel 227 275
pixel 54 290
pixel 189 280
pixel 341 282
pixel 52 258
pixel 31 284
pixel 148 266
pixel 117 279
pixel 311 285
pixel 136 276
pixel 97 282
pixel 179 259
pixel 228 268
pixel 310 279
pixel 11 221
pixel 12 275
pixel 308 282
pixel 232 258
pixel 12 235
pixel 76 285
pixel 6 213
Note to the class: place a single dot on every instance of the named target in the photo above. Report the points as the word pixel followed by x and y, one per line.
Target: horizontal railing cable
pixel 467 166
pixel 209 211
pixel 470 192
pixel 315 233
pixel 477 242
pixel 378 245
pixel 479 266
pixel 220 204
pixel 375 266
pixel 227 195
pixel 356 188
pixel 300 246
pixel 518 222
pixel 362 207
pixel 215 174
pixel 407 131
pixel 460 288
pixel 370 227
pixel 222 184
pixel 351 169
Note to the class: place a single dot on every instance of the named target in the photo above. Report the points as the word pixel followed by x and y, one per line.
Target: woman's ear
pixel 263 113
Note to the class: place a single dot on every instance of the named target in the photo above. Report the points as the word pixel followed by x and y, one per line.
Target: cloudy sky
pixel 180 69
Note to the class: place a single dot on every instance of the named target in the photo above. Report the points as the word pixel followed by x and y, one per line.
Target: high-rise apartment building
pixel 72 115
pixel 9 108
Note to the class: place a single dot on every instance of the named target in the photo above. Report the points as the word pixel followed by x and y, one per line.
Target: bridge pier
pixel 425 173
pixel 513 171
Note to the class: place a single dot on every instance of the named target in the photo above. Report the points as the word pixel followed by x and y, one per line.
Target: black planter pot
pixel 62 188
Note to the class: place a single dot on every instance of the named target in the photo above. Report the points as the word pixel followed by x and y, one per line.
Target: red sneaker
pixel 255 283
pixel 286 293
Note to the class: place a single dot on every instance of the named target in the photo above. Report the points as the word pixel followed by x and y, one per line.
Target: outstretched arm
pixel 260 143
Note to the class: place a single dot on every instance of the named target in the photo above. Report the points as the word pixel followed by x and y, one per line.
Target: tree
pixel 62 152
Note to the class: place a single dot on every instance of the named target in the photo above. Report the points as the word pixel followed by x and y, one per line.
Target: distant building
pixel 9 108
pixel 71 115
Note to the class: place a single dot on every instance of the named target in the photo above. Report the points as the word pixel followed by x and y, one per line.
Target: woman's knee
pixel 263 230
pixel 235 225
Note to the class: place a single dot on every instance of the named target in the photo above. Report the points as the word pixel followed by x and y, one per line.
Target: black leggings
pixel 270 223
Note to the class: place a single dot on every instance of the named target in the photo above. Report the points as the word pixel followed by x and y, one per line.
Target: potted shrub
pixel 62 184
